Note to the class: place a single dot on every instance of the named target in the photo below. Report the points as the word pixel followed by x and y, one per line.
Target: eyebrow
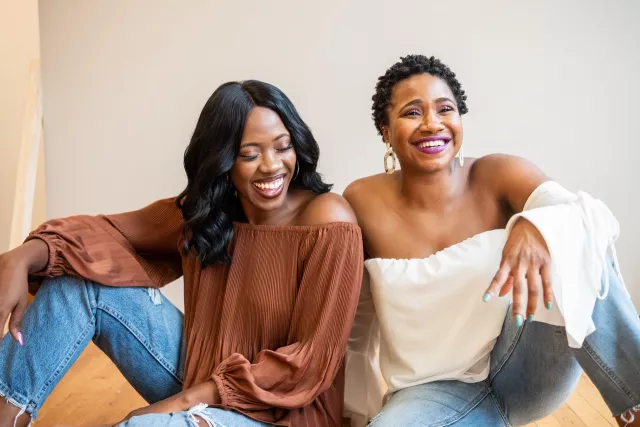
pixel 419 101
pixel 256 144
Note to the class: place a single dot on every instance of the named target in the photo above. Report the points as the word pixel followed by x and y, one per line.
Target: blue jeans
pixel 139 329
pixel 533 372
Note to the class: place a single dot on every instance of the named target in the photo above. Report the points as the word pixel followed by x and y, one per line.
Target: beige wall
pixel 124 81
pixel 19 47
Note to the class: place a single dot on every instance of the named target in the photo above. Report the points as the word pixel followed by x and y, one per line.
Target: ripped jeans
pixel 137 328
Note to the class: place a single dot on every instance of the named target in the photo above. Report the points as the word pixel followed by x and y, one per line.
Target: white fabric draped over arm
pixel 364 384
pixel 579 231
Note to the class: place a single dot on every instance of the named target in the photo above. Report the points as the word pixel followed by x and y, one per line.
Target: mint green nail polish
pixel 549 305
pixel 486 297
pixel 519 320
pixel 530 318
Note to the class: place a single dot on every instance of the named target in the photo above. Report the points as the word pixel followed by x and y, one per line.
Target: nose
pixel 270 163
pixel 432 123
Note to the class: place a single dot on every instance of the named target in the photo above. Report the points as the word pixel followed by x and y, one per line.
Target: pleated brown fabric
pixel 270 329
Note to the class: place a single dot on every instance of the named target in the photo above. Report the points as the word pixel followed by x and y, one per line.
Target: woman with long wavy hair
pixel 272 266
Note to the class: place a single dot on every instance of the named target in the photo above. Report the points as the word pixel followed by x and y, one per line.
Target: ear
pixel 385 133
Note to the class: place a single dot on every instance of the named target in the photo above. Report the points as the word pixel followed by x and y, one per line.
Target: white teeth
pixel 270 185
pixel 437 143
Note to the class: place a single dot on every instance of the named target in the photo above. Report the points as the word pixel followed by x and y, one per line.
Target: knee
pixel 63 281
pixel 63 288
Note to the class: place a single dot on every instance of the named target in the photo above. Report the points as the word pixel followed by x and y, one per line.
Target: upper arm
pixel 354 194
pixel 138 248
pixel 350 193
pixel 512 179
pixel 327 208
pixel 156 228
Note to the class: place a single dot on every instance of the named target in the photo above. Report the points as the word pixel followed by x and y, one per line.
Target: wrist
pixel 33 256
pixel 206 392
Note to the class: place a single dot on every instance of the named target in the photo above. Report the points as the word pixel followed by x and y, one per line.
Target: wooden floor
pixel 93 392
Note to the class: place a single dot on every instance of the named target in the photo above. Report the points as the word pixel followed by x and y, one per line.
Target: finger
pixel 15 324
pixel 534 282
pixel 519 294
pixel 547 289
pixel 498 281
pixel 3 319
pixel 508 287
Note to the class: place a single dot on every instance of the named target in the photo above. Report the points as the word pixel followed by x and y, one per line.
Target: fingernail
pixel 530 318
pixel 549 305
pixel 519 320
pixel 20 339
pixel 486 297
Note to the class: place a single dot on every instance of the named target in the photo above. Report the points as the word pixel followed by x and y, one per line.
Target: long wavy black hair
pixel 209 204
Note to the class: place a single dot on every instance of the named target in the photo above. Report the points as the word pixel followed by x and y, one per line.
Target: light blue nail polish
pixel 549 305
pixel 519 320
pixel 486 297
pixel 530 318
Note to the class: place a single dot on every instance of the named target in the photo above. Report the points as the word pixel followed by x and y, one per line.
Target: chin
pixel 433 165
pixel 269 204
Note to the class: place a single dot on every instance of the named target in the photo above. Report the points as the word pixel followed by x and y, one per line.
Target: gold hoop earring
pixel 388 154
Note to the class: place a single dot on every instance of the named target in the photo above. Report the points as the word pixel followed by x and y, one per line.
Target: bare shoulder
pixel 364 190
pixel 327 208
pixel 502 162
pixel 496 169
pixel 369 197
pixel 508 177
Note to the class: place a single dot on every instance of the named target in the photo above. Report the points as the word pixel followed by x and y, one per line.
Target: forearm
pixel 34 254
pixel 206 392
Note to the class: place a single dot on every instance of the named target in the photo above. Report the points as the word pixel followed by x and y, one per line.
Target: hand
pixel 167 406
pixel 526 269
pixel 206 392
pixel 15 267
pixel 94 425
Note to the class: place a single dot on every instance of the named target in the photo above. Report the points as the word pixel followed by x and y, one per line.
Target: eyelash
pixel 251 158
pixel 288 147
pixel 445 109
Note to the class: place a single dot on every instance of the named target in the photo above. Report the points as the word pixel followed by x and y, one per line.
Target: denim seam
pixel 116 315
pixel 633 400
pixel 466 410
pixel 61 366
pixel 508 353
pixel 500 409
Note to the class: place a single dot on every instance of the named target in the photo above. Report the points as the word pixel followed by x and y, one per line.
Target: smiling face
pixel 424 125
pixel 266 162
